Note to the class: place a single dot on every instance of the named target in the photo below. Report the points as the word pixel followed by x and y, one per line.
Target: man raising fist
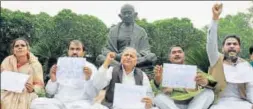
pixel 229 94
pixel 125 73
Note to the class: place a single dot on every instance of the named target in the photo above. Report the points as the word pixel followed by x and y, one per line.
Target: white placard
pixel 179 76
pixel 13 81
pixel 70 70
pixel 129 96
pixel 241 73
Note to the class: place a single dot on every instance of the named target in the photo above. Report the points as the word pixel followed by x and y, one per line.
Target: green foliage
pixel 149 27
pixel 198 56
pixel 174 31
pixel 66 26
pixel 238 24
pixel 167 32
pixel 13 25
pixel 49 35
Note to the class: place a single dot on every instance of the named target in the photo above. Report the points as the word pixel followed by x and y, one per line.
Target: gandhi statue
pixel 128 34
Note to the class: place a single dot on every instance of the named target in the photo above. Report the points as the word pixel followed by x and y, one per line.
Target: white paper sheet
pixel 241 73
pixel 179 76
pixel 13 81
pixel 129 96
pixel 70 70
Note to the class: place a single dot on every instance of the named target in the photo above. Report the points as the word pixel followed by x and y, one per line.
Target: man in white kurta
pixel 104 76
pixel 182 98
pixel 66 96
pixel 230 98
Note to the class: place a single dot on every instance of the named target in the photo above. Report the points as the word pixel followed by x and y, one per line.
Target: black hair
pixel 232 36
pixel 77 41
pixel 171 47
pixel 251 50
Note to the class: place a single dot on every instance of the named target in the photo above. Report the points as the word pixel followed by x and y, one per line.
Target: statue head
pixel 127 14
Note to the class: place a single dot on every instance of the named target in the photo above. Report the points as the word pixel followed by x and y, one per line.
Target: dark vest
pixel 117 75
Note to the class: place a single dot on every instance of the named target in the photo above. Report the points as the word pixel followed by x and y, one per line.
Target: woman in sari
pixel 22 61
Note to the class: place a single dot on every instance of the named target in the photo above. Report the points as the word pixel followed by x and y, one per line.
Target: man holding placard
pixel 233 74
pixel 125 76
pixel 179 86
pixel 69 82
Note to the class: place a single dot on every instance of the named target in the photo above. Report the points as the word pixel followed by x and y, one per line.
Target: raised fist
pixel 217 9
pixel 109 58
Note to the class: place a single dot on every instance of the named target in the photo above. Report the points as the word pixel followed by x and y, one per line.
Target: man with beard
pixel 229 94
pixel 128 34
pixel 182 98
pixel 69 97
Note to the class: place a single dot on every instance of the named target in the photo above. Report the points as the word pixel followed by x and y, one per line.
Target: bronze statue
pixel 128 34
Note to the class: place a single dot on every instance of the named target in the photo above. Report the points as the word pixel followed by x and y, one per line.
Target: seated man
pixel 125 73
pixel 229 94
pixel 181 98
pixel 67 97
pixel 251 55
pixel 128 34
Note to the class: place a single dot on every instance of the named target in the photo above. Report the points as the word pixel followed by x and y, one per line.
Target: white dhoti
pixel 230 98
pixel 232 103
pixel 201 101
pixel 52 103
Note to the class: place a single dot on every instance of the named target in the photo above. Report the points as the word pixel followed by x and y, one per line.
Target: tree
pixel 13 25
pixel 196 52
pixel 66 26
pixel 238 24
pixel 198 56
pixel 174 31
pixel 149 27
pixel 42 24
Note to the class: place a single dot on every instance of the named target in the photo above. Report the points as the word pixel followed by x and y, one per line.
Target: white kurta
pixel 68 97
pixel 230 99
pixel 104 76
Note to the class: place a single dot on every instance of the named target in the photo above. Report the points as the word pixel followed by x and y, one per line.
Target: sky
pixel 198 11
